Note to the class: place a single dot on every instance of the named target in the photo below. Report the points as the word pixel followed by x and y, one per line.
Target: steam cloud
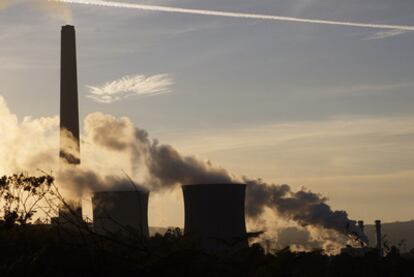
pixel 158 166
pixel 166 168
pixel 235 15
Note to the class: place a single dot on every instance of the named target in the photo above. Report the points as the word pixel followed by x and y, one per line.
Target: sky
pixel 325 107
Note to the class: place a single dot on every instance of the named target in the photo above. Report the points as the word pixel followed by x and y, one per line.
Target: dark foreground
pixel 36 250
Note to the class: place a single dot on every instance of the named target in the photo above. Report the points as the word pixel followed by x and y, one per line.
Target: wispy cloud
pixel 364 89
pixel 348 146
pixel 131 85
pixel 385 34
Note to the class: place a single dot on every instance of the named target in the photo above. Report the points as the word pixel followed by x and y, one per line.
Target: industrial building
pixel 214 213
pixel 113 211
pixel 362 251
pixel 121 212
pixel 215 216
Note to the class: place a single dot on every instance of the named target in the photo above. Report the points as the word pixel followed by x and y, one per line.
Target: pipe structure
pixel 361 225
pixel 378 233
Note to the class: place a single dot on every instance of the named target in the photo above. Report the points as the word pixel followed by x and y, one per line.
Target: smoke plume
pixel 304 207
pixel 167 168
pixel 110 141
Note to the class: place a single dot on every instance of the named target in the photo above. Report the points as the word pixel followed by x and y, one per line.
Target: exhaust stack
pixel 362 228
pixel 69 110
pixel 361 225
pixel 379 237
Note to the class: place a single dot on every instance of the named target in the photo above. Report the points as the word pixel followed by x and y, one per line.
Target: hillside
pixel 395 232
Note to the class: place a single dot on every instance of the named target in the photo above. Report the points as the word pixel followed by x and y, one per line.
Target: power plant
pixel 214 213
pixel 121 212
pixel 364 249
pixel 215 216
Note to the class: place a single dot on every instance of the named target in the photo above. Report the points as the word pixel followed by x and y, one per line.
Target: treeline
pixel 29 247
pixel 46 250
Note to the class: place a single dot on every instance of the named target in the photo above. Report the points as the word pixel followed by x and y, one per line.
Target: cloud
pixel 385 34
pixel 131 85
pixel 235 14
pixel 362 89
pixel 22 154
pixel 342 147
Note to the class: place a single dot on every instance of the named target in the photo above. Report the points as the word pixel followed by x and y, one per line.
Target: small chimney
pixel 362 228
pixel 69 111
pixel 379 237
pixel 361 225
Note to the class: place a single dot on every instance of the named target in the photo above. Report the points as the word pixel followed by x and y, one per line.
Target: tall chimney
pixel 69 111
pixel 379 237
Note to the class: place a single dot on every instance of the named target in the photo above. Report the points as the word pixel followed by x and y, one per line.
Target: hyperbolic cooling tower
pixel 214 215
pixel 69 111
pixel 121 212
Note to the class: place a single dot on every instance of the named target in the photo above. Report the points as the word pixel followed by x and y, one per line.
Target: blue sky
pixel 326 107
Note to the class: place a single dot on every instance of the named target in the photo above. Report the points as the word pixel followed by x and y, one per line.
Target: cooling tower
pixel 121 212
pixel 214 216
pixel 69 113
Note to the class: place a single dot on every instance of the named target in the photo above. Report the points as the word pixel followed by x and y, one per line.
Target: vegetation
pixel 29 249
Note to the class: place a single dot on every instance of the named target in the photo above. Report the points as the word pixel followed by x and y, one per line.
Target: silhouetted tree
pixel 20 196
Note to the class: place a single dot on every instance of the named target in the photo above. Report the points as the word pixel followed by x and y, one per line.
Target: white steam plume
pixel 234 14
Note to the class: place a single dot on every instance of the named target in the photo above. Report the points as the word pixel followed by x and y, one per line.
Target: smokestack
pixel 361 225
pixel 362 228
pixel 69 111
pixel 214 216
pixel 379 237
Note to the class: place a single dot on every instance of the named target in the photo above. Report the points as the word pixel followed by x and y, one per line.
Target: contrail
pixel 235 14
